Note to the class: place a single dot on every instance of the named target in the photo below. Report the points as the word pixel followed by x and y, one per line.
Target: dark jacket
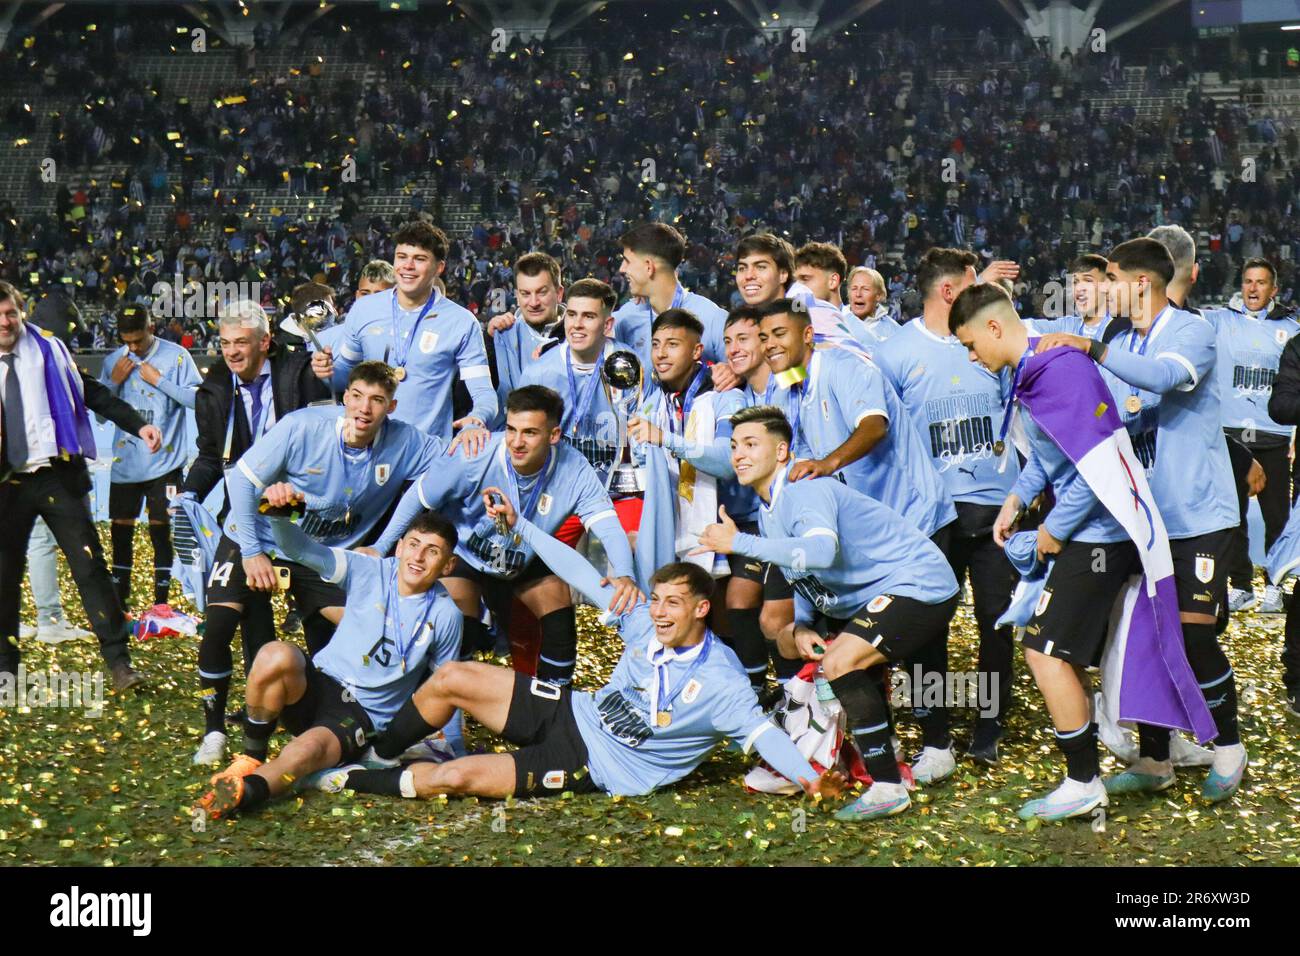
pixel 293 386
pixel 1284 403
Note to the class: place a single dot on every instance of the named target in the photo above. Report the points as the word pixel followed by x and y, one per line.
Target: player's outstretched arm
pixel 300 547
pixel 815 550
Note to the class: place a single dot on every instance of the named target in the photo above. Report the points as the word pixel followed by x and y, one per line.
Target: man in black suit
pixel 45 439
pixel 272 380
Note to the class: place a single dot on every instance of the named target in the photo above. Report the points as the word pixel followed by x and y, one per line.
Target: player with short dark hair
pixel 398 625
pixel 1087 275
pixel 880 587
pixel 159 380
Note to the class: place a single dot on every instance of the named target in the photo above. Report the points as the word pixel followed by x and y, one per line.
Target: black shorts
pixel 1073 613
pixel 227 584
pixel 552 757
pixel 750 569
pixel 896 626
pixel 497 592
pixel 776 587
pixel 329 704
pixel 1201 570
pixel 124 497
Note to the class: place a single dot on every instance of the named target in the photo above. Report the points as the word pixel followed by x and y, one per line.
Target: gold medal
pixel 1132 404
pixel 999 447
pixel 399 373
pixel 664 718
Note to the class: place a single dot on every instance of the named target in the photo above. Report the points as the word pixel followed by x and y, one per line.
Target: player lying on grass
pixel 879 588
pixel 676 693
pixel 398 624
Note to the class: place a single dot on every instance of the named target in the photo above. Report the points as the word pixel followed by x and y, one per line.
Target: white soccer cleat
pixel 212 750
pixel 1070 799
pixel 333 780
pixel 934 765
pixel 1272 603
pixel 435 748
pixel 880 800
pixel 1240 600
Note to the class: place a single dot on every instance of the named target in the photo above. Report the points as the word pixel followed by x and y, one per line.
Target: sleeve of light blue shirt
pixel 447 636
pixel 1032 480
pixel 106 373
pixel 712 458
pixel 861 395
pixel 817 543
pixel 1180 363
pixel 599 517
pixel 330 563
pixel 1071 510
pixel 261 465
pixel 738 717
pixel 349 352
pixel 184 391
pixel 471 359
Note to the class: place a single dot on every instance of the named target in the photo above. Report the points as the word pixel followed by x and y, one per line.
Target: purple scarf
pixel 72 431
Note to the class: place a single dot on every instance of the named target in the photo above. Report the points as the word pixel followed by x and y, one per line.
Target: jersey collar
pixel 921 327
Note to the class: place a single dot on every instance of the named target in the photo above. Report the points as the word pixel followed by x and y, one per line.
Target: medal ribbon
pixel 393 612
pixel 578 408
pixel 688 400
pixel 527 511
pixel 401 349
pixel 1142 349
pixel 662 694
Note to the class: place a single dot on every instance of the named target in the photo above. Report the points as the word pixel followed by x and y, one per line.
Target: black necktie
pixel 15 427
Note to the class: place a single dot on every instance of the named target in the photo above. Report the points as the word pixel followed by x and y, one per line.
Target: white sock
pixel 406 784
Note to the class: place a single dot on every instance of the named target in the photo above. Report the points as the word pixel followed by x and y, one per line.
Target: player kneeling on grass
pixel 676 693
pixel 882 589
pixel 398 624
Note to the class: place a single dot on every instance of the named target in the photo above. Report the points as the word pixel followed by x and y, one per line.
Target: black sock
pixel 317 631
pixel 1218 683
pixel 257 736
pixel 387 783
pixel 161 537
pixel 215 665
pixel 868 722
pixel 559 647
pixel 122 537
pixel 785 667
pixel 256 792
pixel 1153 742
pixel 880 677
pixel 256 629
pixel 748 642
pixel 1080 749
pixel 472 635
pixel 405 729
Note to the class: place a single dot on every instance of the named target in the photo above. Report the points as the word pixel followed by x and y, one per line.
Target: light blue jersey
pixel 568 486
pixel 163 405
pixel 840 549
pixel 632 322
pixel 704 691
pixel 1173 369
pixel 386 645
pixel 346 490
pixel 957 406
pixel 1249 350
pixel 446 341
pixel 515 353
pixel 590 425
pixel 874 330
pixel 1073 324
pixel 843 389
pixel 330 338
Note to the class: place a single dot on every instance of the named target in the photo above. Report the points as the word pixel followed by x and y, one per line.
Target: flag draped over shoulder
pixel 1065 396
pixel 63 390
pixel 196 534
pixel 1284 557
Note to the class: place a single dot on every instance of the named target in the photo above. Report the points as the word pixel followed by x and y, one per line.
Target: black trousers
pixel 1274 505
pixel 57 494
pixel 970 549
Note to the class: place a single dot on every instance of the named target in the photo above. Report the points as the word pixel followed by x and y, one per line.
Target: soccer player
pixel 1163 376
pixel 1250 345
pixel 764 268
pixel 867 301
pixel 756 587
pixel 421 333
pixel 651 254
pixel 158 379
pixel 821 267
pixel 957 406
pixel 376 276
pixel 676 693
pixel 240 399
pixel 45 439
pixel 848 421
pixel 1068 414
pixel 548 480
pixel 1088 287
pixel 517 345
pixel 398 626
pixel 878 585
